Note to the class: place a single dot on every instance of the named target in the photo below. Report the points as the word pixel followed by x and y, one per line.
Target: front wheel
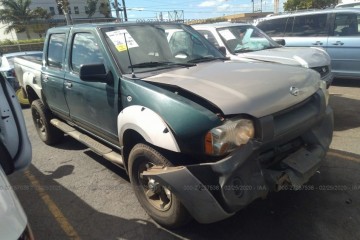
pixel 41 117
pixel 158 201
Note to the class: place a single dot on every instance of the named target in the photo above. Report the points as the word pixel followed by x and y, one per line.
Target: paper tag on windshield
pixel 118 38
pixel 227 34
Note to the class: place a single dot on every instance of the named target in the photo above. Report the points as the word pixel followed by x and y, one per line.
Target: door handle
pixel 317 43
pixel 338 43
pixel 68 84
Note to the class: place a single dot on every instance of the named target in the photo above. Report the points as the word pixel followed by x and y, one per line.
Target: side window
pixel 55 50
pixel 310 26
pixel 85 50
pixel 273 27
pixel 347 24
pixel 289 26
pixel 209 36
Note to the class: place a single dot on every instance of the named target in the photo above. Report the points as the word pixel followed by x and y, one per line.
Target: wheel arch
pixel 138 124
pixel 31 94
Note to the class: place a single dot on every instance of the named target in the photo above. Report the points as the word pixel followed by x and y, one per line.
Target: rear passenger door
pixel 307 30
pixel 344 44
pixel 53 74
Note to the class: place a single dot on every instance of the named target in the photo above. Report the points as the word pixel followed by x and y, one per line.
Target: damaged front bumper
pixel 215 191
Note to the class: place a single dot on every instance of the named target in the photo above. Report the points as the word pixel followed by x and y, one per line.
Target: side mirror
pixel 93 73
pixel 280 41
pixel 222 50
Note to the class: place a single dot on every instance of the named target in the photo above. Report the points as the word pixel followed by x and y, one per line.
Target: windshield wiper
pixel 160 64
pixel 207 59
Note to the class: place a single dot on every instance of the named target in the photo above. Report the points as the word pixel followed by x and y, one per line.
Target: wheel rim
pixel 21 97
pixel 157 195
pixel 39 123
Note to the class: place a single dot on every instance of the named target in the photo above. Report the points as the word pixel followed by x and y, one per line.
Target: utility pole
pixel 253 5
pixel 276 6
pixel 116 6
pixel 124 8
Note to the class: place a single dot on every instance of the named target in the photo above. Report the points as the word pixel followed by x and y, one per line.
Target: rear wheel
pixel 41 117
pixel 158 201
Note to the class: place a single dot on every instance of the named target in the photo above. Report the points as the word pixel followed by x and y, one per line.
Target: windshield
pixel 158 46
pixel 245 38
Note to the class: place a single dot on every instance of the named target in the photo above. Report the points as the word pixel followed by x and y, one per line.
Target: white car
pixel 15 154
pixel 246 42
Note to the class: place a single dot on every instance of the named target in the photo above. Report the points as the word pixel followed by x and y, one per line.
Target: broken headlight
pixel 229 136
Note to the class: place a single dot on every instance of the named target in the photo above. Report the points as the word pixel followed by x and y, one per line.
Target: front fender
pixel 149 125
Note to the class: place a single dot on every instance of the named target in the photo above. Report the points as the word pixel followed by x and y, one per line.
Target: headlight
pixel 229 136
pixel 325 91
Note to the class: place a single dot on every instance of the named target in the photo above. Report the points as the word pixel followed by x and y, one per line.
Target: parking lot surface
pixel 69 192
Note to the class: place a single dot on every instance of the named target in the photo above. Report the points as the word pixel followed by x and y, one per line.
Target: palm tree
pixel 64 6
pixel 91 5
pixel 17 15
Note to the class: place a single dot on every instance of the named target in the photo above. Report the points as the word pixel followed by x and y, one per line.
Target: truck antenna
pixel 132 69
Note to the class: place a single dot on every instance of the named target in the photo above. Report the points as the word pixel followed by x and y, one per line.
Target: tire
pixel 24 102
pixel 173 214
pixel 41 117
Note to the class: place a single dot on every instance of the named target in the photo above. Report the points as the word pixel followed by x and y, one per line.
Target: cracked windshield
pixel 245 39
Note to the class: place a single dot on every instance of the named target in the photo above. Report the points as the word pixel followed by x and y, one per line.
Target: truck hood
pixel 258 89
pixel 308 57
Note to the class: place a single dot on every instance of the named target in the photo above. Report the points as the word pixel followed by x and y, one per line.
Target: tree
pixel 63 5
pixel 91 7
pixel 292 5
pixel 104 9
pixel 17 15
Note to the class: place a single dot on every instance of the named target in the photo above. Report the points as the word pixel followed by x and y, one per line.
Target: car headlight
pixel 325 91
pixel 229 136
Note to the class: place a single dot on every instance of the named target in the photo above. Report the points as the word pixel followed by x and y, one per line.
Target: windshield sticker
pixel 227 34
pixel 118 38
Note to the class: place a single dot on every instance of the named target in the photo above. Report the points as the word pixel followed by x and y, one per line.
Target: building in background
pixel 79 12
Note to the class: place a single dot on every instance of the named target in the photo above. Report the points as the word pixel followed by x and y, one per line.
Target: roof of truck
pixel 112 24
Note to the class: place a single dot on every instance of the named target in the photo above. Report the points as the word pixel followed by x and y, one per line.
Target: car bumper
pixel 214 191
pixel 328 79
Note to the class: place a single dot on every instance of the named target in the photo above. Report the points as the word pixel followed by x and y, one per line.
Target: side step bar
pixel 93 144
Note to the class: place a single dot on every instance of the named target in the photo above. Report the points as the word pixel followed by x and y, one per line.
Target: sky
pixel 193 9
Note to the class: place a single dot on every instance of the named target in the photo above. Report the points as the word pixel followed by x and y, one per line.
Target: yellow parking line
pixel 343 156
pixel 55 211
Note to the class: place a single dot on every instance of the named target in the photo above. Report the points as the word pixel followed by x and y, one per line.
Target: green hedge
pixel 20 46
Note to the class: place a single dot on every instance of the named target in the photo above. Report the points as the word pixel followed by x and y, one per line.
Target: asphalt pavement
pixel 69 192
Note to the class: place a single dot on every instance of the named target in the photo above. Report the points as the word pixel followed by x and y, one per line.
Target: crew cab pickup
pixel 200 136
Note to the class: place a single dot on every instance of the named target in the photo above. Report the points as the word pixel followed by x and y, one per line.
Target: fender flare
pixel 29 80
pixel 149 125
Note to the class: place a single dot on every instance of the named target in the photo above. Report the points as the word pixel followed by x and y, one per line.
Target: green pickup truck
pixel 200 136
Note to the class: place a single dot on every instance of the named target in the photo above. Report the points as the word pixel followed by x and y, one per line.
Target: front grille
pixel 278 153
pixel 324 70
pixel 280 133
